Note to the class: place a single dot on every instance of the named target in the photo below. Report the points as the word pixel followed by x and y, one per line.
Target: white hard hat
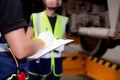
pixel 59 2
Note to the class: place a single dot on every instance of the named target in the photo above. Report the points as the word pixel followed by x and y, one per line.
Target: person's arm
pixel 12 25
pixel 21 45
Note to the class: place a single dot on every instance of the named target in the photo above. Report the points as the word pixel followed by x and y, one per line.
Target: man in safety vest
pixel 50 64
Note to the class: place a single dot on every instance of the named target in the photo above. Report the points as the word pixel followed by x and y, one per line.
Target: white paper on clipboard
pixel 57 44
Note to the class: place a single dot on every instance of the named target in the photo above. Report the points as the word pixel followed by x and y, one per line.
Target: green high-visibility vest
pixel 41 23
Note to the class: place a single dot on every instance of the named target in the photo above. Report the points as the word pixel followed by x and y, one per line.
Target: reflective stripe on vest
pixel 14 75
pixel 42 18
pixel 41 23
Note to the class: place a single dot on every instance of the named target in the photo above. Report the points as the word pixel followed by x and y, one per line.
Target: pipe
pixel 94 32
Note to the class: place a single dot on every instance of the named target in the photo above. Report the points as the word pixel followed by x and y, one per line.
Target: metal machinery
pixel 96 40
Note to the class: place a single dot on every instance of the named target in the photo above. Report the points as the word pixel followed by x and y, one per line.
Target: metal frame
pixel 113 31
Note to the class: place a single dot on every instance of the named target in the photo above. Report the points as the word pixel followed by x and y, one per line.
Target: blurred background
pixel 82 13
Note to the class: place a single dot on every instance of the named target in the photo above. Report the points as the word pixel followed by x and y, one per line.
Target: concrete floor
pixel 75 77
pixel 113 55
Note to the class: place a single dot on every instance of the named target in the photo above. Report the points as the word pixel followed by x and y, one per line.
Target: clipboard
pixel 55 45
